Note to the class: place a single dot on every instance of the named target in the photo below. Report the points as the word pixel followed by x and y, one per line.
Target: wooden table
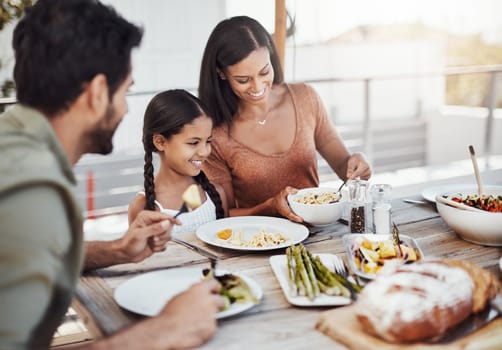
pixel 274 323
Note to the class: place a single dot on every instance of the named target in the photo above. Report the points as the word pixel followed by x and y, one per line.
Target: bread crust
pixel 486 285
pixel 416 302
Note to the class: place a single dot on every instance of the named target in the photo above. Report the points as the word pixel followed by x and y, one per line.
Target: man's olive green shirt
pixel 41 248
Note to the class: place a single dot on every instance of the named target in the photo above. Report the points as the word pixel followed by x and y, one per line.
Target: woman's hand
pixel 357 166
pixel 280 204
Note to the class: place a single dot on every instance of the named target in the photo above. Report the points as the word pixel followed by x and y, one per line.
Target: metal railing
pixel 493 92
pixel 367 126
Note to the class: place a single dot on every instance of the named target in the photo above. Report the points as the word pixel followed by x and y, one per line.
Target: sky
pixel 318 20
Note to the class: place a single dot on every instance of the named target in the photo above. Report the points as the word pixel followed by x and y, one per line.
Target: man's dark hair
pixel 60 45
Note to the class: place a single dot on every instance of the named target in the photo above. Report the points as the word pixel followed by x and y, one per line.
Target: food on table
pixel 489 203
pixel 258 240
pixel 369 256
pixel 486 285
pixel 224 234
pixel 422 301
pixel 309 277
pixel 318 198
pixel 191 197
pixel 233 288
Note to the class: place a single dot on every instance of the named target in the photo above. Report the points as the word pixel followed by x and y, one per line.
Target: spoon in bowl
pixel 341 186
pixel 476 170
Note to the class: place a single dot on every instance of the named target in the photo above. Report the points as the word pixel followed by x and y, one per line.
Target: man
pixel 72 72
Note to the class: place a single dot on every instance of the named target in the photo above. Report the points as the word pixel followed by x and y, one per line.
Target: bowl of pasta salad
pixel 482 226
pixel 317 205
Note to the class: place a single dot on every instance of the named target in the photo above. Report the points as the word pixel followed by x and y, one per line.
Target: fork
pixel 341 269
pixel 183 209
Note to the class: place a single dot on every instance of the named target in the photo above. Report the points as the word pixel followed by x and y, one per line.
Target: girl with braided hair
pixel 177 127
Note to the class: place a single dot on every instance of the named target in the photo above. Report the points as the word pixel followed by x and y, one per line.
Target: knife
pixel 212 258
pixel 474 322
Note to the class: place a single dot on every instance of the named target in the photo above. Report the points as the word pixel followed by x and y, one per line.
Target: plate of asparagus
pixel 309 279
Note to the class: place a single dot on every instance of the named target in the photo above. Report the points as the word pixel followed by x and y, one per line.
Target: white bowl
pixel 480 227
pixel 316 214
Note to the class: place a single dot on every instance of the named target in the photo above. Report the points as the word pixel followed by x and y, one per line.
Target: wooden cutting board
pixel 342 325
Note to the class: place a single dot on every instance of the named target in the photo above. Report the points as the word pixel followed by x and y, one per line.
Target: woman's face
pixel 184 153
pixel 251 79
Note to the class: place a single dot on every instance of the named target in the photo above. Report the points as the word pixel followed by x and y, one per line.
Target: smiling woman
pixel 266 132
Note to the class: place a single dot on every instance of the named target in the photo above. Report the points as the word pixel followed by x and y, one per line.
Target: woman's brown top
pixel 255 176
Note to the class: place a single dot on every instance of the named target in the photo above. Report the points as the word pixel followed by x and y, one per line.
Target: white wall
pixel 175 34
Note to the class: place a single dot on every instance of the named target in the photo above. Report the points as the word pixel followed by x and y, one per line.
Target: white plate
pixel 280 267
pixel 251 225
pixel 500 264
pixel 430 193
pixel 148 293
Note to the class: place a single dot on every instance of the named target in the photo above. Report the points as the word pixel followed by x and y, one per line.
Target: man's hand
pixel 147 234
pixel 189 319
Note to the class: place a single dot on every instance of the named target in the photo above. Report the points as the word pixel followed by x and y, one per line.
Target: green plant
pixel 10 10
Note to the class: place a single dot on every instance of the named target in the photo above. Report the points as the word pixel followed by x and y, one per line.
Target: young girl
pixel 178 128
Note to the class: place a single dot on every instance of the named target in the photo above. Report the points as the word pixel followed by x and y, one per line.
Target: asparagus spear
pixel 299 284
pixel 303 273
pixel 329 278
pixel 291 273
pixel 310 271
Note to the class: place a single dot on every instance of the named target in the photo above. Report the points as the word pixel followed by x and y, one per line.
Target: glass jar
pixel 359 206
pixel 381 208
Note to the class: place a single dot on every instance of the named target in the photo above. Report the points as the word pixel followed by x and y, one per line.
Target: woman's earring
pixel 221 75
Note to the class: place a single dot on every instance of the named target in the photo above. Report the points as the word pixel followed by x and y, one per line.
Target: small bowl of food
pixel 317 206
pixel 368 253
pixel 482 226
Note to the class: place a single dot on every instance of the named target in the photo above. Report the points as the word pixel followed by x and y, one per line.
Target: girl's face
pixel 251 79
pixel 185 152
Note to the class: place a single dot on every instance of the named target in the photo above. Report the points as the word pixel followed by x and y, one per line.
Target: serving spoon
pixel 476 170
pixel 457 204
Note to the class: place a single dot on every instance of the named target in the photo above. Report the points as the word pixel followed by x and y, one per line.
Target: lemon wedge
pixel 224 234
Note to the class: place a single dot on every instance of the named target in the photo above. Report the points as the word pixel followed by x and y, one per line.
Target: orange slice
pixel 224 234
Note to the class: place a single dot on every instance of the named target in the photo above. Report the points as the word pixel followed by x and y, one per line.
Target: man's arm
pixel 147 234
pixel 187 321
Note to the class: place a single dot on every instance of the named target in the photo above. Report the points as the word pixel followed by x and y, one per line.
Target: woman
pixel 266 132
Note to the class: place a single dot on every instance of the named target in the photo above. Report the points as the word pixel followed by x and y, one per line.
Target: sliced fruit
pixel 369 255
pixel 191 197
pixel 224 234
pixel 387 249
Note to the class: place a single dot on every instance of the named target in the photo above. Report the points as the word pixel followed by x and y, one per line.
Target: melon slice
pixel 191 197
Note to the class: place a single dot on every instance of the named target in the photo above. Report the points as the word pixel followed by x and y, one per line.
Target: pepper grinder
pixel 359 207
pixel 381 208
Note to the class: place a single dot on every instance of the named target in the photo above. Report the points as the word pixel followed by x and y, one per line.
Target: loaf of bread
pixel 486 285
pixel 420 301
